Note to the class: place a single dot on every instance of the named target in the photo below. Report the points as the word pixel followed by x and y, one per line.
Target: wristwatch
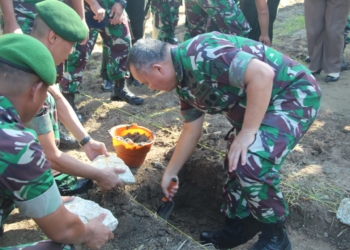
pixel 122 2
pixel 85 140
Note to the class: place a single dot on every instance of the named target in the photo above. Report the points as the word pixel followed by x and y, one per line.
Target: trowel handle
pixel 171 185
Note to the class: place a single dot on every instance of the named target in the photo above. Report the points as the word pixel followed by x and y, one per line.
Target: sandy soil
pixel 315 176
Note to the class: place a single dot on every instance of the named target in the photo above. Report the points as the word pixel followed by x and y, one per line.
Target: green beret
pixel 28 54
pixel 63 20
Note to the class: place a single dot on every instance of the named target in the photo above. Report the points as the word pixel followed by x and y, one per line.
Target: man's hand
pixel 98 11
pixel 108 178
pixel 95 148
pixel 117 14
pixel 12 28
pixel 98 234
pixel 265 40
pixel 165 184
pixel 67 198
pixel 239 149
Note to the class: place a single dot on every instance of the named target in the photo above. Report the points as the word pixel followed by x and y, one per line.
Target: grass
pixel 287 27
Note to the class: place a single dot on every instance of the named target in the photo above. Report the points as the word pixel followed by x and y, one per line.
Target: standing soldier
pixel 165 18
pixel 270 100
pixel 228 18
pixel 26 71
pixel 109 19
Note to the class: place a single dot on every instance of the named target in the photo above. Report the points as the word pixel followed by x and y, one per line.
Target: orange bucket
pixel 133 154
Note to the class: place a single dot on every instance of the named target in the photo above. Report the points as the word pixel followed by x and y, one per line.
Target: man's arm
pixel 78 6
pixel 67 115
pixel 65 227
pixel 185 146
pixel 106 178
pixel 263 16
pixel 8 12
pixel 258 79
pixel 70 120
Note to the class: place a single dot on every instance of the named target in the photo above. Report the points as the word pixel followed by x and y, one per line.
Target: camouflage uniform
pixel 116 46
pixel 225 13
pixel 210 69
pixel 165 18
pixel 25 175
pixel 346 32
pixel 47 119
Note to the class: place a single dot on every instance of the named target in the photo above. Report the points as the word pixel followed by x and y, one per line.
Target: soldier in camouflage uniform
pixel 270 100
pixel 45 123
pixel 165 18
pixel 225 14
pixel 116 45
pixel 26 71
pixel 19 18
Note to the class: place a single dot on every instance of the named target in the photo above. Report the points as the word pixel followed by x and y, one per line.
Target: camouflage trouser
pixel 41 245
pixel 253 188
pixel 225 13
pixel 116 47
pixel 346 33
pixel 165 18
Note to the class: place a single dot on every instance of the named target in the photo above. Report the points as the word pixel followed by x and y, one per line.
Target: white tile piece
pixel 113 161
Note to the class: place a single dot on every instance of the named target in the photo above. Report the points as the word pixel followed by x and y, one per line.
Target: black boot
pixel 70 98
pixel 273 237
pixel 121 92
pixel 67 141
pixel 231 235
pixel 82 186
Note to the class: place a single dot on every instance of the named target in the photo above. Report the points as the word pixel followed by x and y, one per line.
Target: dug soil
pixel 136 137
pixel 314 178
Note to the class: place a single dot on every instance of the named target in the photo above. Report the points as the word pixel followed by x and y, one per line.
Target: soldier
pixel 261 15
pixel 26 71
pixel 270 100
pixel 226 15
pixel 165 18
pixel 116 45
pixel 18 18
pixel 49 27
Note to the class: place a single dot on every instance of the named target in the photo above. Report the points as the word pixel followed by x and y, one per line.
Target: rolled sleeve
pixel 238 67
pixel 190 113
pixel 42 205
pixel 41 124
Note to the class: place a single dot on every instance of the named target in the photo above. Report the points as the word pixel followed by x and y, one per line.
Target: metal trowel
pixel 166 208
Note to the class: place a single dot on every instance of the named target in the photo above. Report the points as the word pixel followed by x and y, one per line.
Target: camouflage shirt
pixel 210 69
pixel 25 174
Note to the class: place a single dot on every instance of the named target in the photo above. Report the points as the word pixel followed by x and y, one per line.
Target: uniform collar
pixel 7 105
pixel 175 57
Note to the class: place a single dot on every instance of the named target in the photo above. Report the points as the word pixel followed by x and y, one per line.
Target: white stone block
pixel 343 213
pixel 87 210
pixel 102 161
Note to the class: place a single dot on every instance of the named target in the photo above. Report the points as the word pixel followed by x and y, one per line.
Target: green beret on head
pixel 28 54
pixel 62 19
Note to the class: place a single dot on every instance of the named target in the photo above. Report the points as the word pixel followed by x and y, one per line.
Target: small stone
pixel 346 129
pixel 325 234
pixel 157 165
pixel 343 213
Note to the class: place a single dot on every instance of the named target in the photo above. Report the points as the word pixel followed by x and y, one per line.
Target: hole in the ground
pixel 198 201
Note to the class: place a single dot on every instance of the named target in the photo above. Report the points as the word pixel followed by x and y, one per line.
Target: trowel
pixel 166 208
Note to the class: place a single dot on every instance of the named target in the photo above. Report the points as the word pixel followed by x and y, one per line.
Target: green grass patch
pixel 286 27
